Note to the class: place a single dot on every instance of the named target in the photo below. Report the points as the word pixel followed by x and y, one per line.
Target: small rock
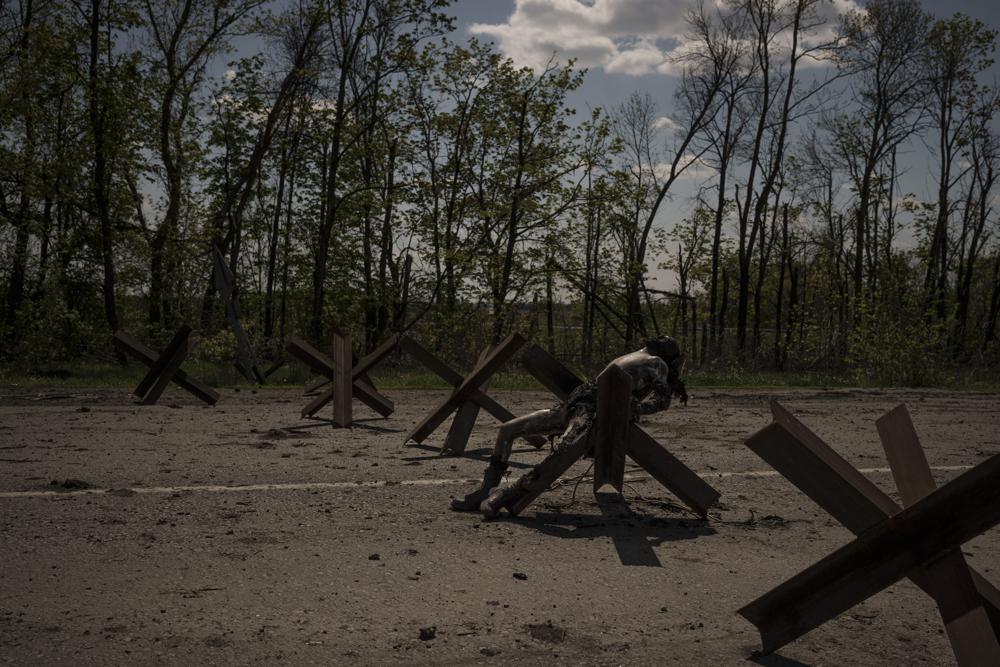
pixel 427 634
pixel 547 632
pixel 374 557
pixel 83 408
pixel 489 652
pixel 521 576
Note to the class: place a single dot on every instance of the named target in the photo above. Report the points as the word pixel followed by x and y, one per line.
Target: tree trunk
pixel 101 177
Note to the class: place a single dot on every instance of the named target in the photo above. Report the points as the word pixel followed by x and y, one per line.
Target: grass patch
pixel 295 376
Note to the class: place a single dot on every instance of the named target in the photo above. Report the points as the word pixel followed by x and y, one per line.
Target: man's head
pixel 665 348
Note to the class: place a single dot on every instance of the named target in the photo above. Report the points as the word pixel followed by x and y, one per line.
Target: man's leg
pixel 571 447
pixel 540 422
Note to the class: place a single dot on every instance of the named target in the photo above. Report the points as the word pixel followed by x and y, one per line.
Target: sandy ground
pixel 242 534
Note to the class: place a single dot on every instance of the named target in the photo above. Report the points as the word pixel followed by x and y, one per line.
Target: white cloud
pixel 632 37
pixel 666 123
pixel 624 36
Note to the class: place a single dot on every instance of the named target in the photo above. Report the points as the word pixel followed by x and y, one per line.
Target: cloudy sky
pixel 626 45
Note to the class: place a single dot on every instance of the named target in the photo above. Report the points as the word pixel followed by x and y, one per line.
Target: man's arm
pixel 660 394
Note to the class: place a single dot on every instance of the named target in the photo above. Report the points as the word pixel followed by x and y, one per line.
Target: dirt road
pixel 239 534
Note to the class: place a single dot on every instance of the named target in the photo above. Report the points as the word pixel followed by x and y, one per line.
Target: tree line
pixel 363 166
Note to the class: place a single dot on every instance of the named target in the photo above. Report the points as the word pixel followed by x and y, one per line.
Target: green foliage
pixel 891 346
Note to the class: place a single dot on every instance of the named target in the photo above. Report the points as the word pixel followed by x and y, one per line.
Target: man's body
pixel 655 374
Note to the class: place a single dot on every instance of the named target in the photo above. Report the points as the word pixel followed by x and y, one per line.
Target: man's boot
pixel 502 497
pixel 491 478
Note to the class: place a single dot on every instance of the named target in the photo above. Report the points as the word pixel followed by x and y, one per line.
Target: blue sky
pixel 608 88
pixel 624 43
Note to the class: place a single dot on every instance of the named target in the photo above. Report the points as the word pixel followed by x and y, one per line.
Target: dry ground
pixel 242 534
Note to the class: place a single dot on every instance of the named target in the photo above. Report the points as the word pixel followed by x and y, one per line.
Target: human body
pixel 655 375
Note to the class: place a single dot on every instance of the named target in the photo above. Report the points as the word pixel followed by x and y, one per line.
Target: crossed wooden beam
pixel 468 395
pixel 164 367
pixel 922 542
pixel 347 374
pixel 618 435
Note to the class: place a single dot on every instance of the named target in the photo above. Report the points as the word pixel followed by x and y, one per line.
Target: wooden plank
pixel 368 395
pixel 365 364
pixel 275 365
pixel 343 392
pixel 610 434
pixel 683 482
pixel 323 365
pixel 843 492
pixel 836 486
pixel 318 362
pixel 133 347
pixel 910 469
pixel 497 357
pixel 822 474
pixel 553 375
pixel 465 419
pixel 967 640
pixel 443 371
pixel 669 471
pixel 546 475
pixel 430 361
pixel 967 622
pixel 918 535
pixel 167 373
pixel 165 357
pixel 363 391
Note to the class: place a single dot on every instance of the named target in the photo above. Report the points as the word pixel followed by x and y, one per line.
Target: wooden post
pixel 469 387
pixel 610 434
pixel 965 619
pixel 465 414
pixel 324 366
pixel 683 482
pixel 163 368
pixel 342 379
pixel 917 536
pixel 465 418
pixel 177 344
pixel 967 602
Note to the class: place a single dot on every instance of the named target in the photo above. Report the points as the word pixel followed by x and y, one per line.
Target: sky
pixel 626 44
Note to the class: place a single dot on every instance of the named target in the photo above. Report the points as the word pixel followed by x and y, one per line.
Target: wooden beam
pixel 973 639
pixel 663 466
pixel 465 418
pixel 553 375
pixel 177 342
pixel 843 492
pixel 323 365
pixel 610 435
pixel 133 347
pixel 497 357
pixel 669 471
pixel 443 371
pixel 944 520
pixel 173 362
pixel 342 380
